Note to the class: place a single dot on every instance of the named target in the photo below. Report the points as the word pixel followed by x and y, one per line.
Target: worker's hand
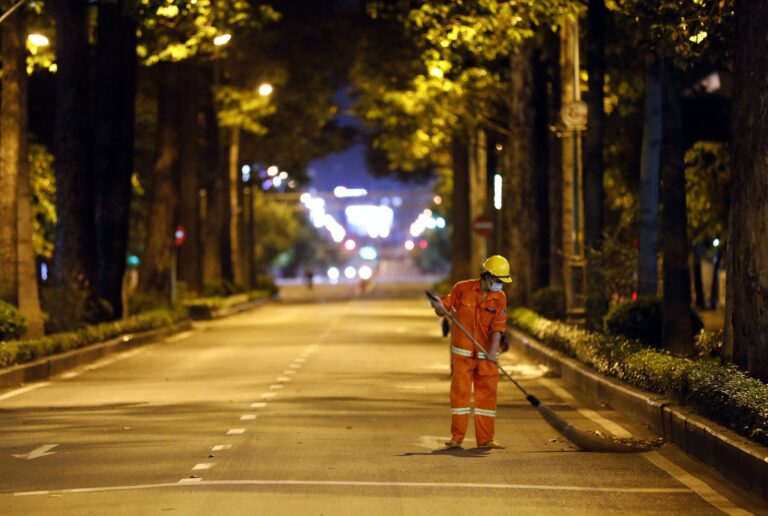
pixel 439 307
pixel 492 354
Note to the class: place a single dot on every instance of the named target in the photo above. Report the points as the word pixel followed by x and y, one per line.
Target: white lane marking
pixel 268 395
pixel 22 390
pixel 289 371
pixel 220 447
pixel 283 379
pixel 40 451
pixel 566 396
pixel 235 431
pixel 714 498
pixel 696 485
pixel 276 386
pixel 180 336
pixel 295 366
pixel 101 363
pixel 202 465
pixel 299 360
pixel 353 483
pixel 247 417
pixel 259 404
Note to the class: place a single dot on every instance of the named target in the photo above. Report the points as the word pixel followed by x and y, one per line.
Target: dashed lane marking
pixel 276 386
pixel 220 447
pixel 247 417
pixel 283 379
pixel 235 431
pixel 259 404
pixel 22 390
pixel 268 395
pixel 202 465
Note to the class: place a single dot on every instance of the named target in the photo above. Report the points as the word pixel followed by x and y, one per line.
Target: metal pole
pixel 10 11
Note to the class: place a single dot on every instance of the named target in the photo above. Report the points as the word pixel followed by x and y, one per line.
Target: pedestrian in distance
pixel 309 276
pixel 480 306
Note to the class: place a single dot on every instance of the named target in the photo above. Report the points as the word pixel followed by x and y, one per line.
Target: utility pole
pixel 573 119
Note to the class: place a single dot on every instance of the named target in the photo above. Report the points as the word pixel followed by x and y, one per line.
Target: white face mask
pixel 495 287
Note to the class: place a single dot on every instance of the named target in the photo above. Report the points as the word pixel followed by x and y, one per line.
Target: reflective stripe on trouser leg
pixel 486 378
pixel 461 389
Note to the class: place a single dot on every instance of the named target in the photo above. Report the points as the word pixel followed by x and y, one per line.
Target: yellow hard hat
pixel 498 266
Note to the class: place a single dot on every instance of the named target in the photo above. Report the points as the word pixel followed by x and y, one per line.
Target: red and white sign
pixel 483 225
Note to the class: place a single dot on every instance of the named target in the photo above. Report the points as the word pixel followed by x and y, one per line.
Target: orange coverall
pixel 481 317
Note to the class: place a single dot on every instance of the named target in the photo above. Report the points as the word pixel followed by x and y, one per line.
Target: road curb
pixel 208 314
pixel 47 367
pixel 742 461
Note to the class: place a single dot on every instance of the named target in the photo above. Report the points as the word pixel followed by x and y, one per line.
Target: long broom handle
pixel 471 337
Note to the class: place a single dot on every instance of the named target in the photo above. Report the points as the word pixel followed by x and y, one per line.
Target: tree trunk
pixel 159 253
pixel 234 205
pixel 594 138
pixel 520 181
pixel 14 73
pixel 29 294
pixel 478 193
pixel 747 306
pixel 190 159
pixel 113 138
pixel 677 331
pixel 555 172
pixel 213 211
pixel 698 280
pixel 650 162
pixel 714 296
pixel 541 159
pixel 461 261
pixel 73 255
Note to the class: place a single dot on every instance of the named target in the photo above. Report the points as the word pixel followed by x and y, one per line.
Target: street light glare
pixel 222 39
pixel 38 40
pixel 265 89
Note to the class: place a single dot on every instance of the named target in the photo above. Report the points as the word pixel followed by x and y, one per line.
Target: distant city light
pixel 292 184
pixel 350 245
pixel 350 272
pixel 436 72
pixel 343 191
pixel 397 201
pixel 44 271
pixel 272 171
pixel 425 221
pixel 409 245
pixel 368 253
pixel 222 39
pixel 497 183
pixel 499 147
pixel 133 260
pixel 365 272
pixel 246 173
pixel 437 200
pixel 283 175
pixel 277 182
pixel 716 242
pixel 333 274
pixel 38 40
pixel 266 185
pixel 422 244
pixel 374 221
pixel 305 198
pixel 265 89
pixel 440 222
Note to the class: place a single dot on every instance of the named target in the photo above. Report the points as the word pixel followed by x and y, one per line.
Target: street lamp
pixel 222 39
pixel 265 89
pixel 38 40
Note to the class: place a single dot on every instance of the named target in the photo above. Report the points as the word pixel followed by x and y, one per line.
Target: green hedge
pixel 721 392
pixel 204 307
pixel 18 352
pixel 12 323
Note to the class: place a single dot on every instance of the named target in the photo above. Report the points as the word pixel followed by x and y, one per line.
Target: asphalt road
pixel 326 408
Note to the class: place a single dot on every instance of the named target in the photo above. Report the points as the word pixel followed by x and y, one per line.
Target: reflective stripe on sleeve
pixel 483 412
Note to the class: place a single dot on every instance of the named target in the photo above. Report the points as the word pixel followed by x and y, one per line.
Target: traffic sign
pixel 574 115
pixel 483 225
pixel 179 235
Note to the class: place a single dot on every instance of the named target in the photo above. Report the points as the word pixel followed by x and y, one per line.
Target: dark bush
pixel 266 282
pixel 549 302
pixel 642 320
pixel 12 323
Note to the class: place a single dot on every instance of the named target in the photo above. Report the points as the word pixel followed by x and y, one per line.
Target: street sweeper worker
pixel 480 306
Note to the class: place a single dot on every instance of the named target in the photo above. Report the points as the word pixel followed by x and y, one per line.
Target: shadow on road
pixel 471 453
